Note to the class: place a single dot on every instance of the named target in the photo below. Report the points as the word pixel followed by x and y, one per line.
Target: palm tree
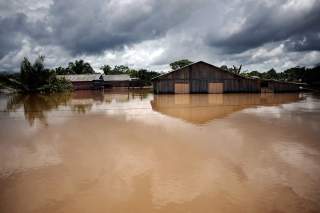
pixel 36 78
pixel 80 67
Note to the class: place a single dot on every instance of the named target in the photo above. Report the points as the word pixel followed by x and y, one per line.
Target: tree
pixel 107 70
pixel 295 73
pixel 62 71
pixel 80 67
pixel 233 69
pixel 36 78
pixel 121 69
pixel 180 63
pixel 271 74
pixel 236 70
pixel 145 76
pixel 224 67
pixel 254 74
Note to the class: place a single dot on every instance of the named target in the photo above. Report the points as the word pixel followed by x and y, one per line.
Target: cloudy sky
pixel 260 34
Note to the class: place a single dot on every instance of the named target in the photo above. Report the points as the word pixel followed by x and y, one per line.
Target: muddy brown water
pixel 121 151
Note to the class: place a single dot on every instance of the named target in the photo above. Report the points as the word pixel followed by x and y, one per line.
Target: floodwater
pixel 121 151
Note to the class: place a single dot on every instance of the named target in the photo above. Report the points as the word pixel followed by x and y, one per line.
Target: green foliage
pixel 36 78
pixel 56 85
pixel 80 67
pixel 143 75
pixel 271 74
pixel 295 74
pixel 107 69
pixel 180 63
pixel 62 71
pixel 121 69
pixel 77 67
pixel 233 69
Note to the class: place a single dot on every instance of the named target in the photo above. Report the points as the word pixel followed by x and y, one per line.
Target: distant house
pixel 280 86
pixel 95 81
pixel 122 80
pixel 83 82
pixel 201 77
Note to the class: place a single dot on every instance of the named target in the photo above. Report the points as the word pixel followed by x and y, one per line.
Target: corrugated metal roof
pixel 122 77
pixel 84 77
pixel 92 77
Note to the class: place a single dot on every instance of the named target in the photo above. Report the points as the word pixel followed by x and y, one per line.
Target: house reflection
pixel 82 101
pixel 202 108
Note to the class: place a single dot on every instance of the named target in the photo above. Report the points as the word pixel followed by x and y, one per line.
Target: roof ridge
pixel 198 63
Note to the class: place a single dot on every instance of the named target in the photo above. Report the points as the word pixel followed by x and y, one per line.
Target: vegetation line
pixel 35 78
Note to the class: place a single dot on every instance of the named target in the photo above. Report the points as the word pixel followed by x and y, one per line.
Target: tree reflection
pixel 35 106
pixel 81 108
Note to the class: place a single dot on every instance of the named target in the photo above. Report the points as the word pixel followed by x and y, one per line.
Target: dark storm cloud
pixel 159 31
pixel 306 42
pixel 11 32
pixel 263 24
pixel 85 27
pixel 15 28
pixel 92 27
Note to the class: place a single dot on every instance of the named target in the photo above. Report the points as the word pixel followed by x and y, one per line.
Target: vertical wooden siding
pixel 215 88
pixel 181 88
pixel 199 76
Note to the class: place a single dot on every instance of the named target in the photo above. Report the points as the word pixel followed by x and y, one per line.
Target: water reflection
pixel 201 109
pixel 101 161
pixel 36 106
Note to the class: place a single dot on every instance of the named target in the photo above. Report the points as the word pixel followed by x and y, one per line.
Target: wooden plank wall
pixel 216 88
pixel 199 76
pixel 181 88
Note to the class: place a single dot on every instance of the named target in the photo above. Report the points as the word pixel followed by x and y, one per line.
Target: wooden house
pixel 121 80
pixel 280 86
pixel 201 77
pixel 98 81
pixel 83 82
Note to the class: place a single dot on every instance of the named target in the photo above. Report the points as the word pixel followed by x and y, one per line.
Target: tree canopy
pixel 35 78
pixel 143 75
pixel 77 67
pixel 180 63
pixel 232 69
pixel 296 74
pixel 80 67
pixel 310 76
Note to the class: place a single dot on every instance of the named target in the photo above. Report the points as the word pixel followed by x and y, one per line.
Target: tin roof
pixel 77 78
pixel 121 77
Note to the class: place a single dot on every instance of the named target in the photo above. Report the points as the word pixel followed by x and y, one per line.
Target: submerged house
pixel 97 81
pixel 279 86
pixel 122 80
pixel 83 82
pixel 201 77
